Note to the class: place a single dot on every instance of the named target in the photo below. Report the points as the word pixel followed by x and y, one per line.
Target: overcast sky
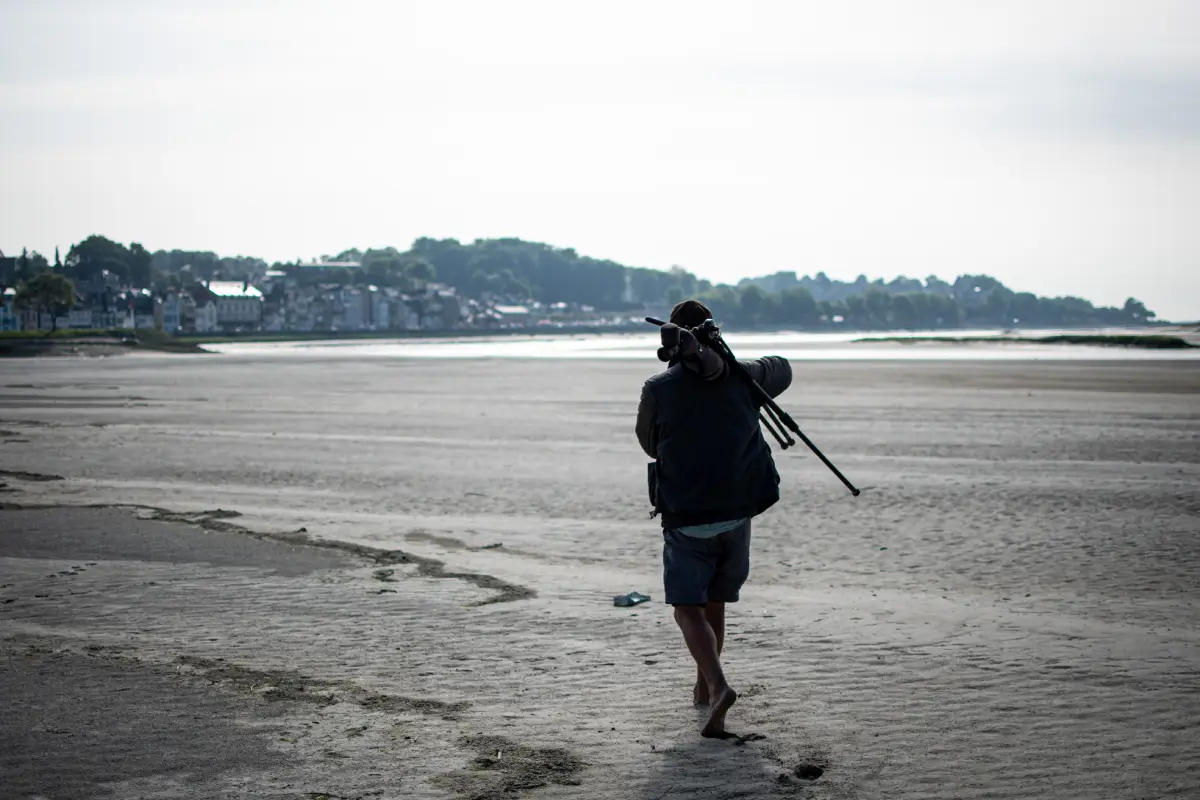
pixel 1053 144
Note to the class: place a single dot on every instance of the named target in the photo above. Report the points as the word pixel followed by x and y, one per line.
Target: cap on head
pixel 690 314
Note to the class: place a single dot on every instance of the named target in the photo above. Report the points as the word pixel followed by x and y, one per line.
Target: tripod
pixel 777 421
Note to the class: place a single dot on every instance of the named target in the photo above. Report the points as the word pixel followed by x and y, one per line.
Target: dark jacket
pixel 711 461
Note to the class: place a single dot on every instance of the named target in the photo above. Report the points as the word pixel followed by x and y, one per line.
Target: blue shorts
pixel 697 570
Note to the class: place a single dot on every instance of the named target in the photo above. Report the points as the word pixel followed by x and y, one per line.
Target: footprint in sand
pixel 808 772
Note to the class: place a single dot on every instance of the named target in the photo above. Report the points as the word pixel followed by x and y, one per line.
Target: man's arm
pixel 647 431
pixel 772 373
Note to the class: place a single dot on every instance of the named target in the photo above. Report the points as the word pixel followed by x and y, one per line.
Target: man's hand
pixel 680 343
pixel 677 343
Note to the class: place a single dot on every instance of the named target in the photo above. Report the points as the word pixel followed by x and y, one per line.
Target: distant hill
pixel 514 270
pixel 521 269
pixel 933 303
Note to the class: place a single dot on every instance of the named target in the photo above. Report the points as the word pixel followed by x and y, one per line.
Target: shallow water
pixel 790 344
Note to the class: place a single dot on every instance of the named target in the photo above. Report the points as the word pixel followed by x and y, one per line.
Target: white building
pixel 206 317
pixel 381 316
pixel 102 319
pixel 353 318
pixel 172 313
pixel 514 315
pixel 412 318
pixel 10 319
pixel 401 315
pixel 322 264
pixel 238 303
pixel 79 318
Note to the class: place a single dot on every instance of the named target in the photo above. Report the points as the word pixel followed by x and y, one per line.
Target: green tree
pixel 771 309
pixel 95 254
pixel 797 306
pixel 752 300
pixel 879 307
pixel 30 264
pixel 921 304
pixel 389 255
pixel 1023 307
pixel 419 269
pixel 996 307
pixel 385 271
pixel 480 282
pixel 47 292
pixel 856 311
pixel 140 273
pixel 1137 312
pixel 513 284
pixel 166 281
pixel 830 312
pixel 495 284
pixel 945 312
pixel 724 302
pixel 903 312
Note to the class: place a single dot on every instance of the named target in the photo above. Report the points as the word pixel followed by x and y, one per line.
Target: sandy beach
pixel 266 576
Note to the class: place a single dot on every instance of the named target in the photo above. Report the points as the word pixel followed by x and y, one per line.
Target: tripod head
pixel 707 333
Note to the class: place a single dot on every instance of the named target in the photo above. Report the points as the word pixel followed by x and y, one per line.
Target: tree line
pixel 905 303
pixel 513 270
pixel 518 270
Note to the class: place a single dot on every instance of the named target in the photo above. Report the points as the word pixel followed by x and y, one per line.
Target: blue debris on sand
pixel 631 599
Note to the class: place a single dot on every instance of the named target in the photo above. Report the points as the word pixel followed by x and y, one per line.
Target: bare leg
pixel 701 642
pixel 715 614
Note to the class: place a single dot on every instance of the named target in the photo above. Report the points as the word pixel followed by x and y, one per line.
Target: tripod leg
pixel 771 428
pixel 854 491
pixel 775 419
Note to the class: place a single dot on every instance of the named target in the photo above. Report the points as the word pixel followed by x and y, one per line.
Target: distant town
pixel 495 284
pixel 307 296
pixel 278 302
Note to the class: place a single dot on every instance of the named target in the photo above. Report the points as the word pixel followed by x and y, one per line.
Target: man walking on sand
pixel 712 473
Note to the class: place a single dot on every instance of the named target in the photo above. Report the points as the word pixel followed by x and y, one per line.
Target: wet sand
pixel 1009 609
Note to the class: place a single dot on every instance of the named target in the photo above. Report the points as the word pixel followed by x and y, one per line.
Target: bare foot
pixel 700 693
pixel 716 719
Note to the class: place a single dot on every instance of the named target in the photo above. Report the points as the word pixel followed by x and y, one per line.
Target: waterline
pixel 790 344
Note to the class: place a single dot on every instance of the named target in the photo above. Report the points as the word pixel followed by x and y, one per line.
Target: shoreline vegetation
pixel 118 341
pixel 16 344
pixel 1149 341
